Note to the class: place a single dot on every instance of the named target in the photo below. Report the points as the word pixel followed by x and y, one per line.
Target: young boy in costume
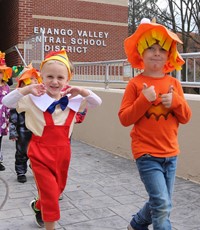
pixel 50 118
pixel 5 75
pixel 17 128
pixel 154 103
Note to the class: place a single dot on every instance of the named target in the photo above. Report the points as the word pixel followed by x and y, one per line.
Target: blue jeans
pixel 158 176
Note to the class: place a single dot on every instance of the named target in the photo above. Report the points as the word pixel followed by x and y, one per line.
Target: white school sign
pixel 74 41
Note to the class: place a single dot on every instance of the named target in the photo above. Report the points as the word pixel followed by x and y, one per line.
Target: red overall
pixel 50 157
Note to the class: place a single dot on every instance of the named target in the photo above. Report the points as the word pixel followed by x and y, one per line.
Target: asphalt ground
pixel 102 193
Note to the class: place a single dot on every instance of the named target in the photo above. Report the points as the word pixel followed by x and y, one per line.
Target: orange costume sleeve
pixel 155 127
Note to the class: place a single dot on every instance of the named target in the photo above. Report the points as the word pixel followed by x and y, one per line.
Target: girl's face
pixel 154 58
pixel 55 77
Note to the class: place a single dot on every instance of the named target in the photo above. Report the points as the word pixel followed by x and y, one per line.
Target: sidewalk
pixel 102 193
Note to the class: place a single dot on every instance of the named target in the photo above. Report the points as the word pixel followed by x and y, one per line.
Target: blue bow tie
pixel 63 104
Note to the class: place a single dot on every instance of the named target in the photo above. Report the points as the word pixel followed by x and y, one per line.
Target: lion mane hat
pixel 147 34
pixel 26 74
pixel 7 71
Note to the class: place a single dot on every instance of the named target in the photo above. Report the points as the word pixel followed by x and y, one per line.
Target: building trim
pixel 80 20
pixel 111 2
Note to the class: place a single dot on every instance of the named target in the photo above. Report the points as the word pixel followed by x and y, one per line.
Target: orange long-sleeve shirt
pixel 155 127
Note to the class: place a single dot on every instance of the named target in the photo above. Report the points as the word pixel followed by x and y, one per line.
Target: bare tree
pixel 141 9
pixel 185 21
pixel 181 16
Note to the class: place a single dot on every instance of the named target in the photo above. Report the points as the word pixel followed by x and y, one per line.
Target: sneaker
pixel 2 167
pixel 136 226
pixel 129 227
pixel 21 178
pixel 61 196
pixel 38 214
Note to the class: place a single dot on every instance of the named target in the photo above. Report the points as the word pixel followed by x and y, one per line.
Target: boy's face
pixel 55 77
pixel 155 57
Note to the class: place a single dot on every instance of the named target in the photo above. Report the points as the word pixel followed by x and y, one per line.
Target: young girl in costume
pixel 50 118
pixel 17 128
pixel 154 103
pixel 5 74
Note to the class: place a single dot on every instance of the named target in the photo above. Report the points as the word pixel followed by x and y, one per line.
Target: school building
pixel 91 30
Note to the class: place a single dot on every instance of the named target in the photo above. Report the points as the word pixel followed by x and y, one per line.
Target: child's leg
pixel 50 167
pixel 21 157
pixel 48 191
pixel 142 219
pixel 1 155
pixel 49 225
pixel 2 167
pixel 158 176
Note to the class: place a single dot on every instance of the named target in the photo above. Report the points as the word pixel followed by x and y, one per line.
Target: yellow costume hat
pixel 147 34
pixel 58 56
pixel 7 71
pixel 26 74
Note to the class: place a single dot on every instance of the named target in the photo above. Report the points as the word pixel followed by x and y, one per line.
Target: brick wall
pixel 16 24
pixel 25 25
pixel 88 19
pixel 90 31
pixel 8 27
pixel 8 23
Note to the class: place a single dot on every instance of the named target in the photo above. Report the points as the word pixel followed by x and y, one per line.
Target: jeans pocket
pixel 144 157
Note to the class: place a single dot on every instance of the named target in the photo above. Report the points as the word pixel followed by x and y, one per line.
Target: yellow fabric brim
pixel 138 41
pixel 25 77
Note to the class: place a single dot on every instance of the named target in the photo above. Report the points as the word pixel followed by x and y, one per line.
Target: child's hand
pixel 14 139
pixel 74 91
pixel 149 92
pixel 38 89
pixel 35 89
pixel 167 98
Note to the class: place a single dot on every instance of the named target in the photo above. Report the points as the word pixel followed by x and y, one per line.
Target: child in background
pixel 154 103
pixel 17 128
pixel 5 75
pixel 50 118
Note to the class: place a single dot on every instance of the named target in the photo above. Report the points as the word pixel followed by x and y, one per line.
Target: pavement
pixel 102 193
